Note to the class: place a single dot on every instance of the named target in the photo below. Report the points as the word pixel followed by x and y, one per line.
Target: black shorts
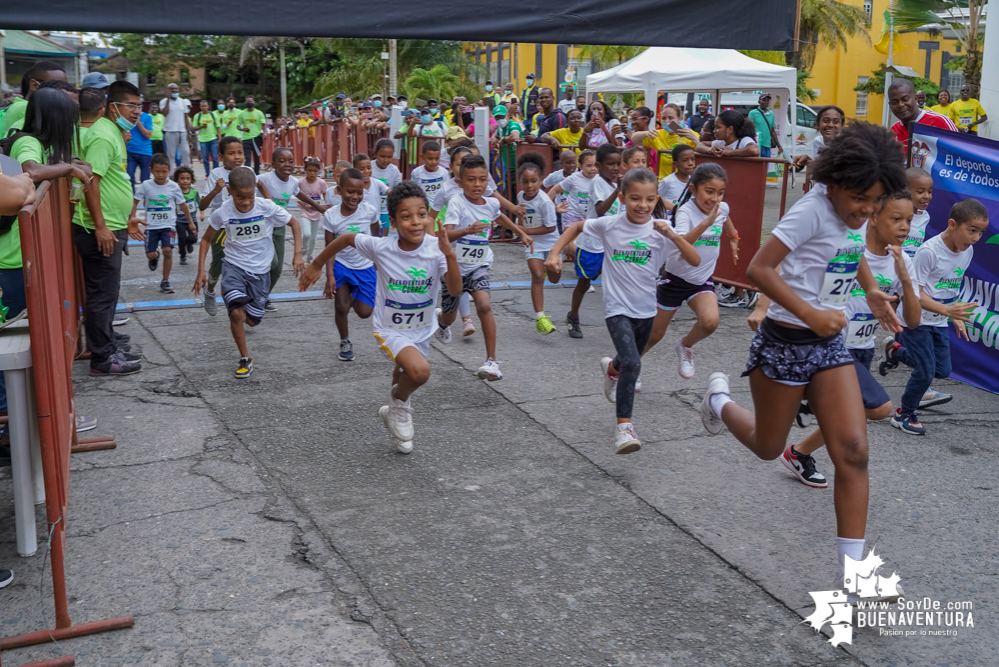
pixel 792 356
pixel 672 291
pixel 476 281
pixel 871 391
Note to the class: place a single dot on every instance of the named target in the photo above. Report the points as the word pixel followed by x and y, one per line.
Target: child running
pixel 467 224
pixel 384 171
pixel 350 279
pixel 183 176
pixel 539 222
pixel 939 267
pixel 892 268
pixel 671 188
pixel 284 192
pixel 633 157
pixel 315 189
pixel 332 193
pixel 374 190
pixel 589 254
pixel 161 198
pixel 798 351
pixel 702 219
pixel 636 247
pixel 429 175
pixel 410 270
pixel 567 166
pixel 249 222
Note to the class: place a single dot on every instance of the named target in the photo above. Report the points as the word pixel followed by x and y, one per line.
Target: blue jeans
pixel 142 162
pixel 927 350
pixel 764 151
pixel 209 149
pixel 14 297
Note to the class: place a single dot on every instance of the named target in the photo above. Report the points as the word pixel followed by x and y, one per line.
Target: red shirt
pixel 926 117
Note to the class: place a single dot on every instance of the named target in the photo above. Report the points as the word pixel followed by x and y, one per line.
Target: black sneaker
pixel 891 349
pixel 574 330
pixel 183 260
pixel 121 338
pixel 803 467
pixel 805 417
pixel 127 356
pixel 115 365
pixel 165 287
pixel 4 456
pixel 6 576
pixel 155 261
pixel 123 347
pixel 245 368
pixel 269 307
pixel 190 248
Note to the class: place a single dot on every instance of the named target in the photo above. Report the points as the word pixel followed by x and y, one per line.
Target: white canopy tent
pixel 675 70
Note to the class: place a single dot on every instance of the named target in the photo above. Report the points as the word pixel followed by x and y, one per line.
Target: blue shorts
pixel 541 254
pixel 363 282
pixel 384 220
pixel 588 264
pixel 155 237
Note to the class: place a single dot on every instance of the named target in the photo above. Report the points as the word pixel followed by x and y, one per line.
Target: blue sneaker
pixel 346 351
pixel 907 423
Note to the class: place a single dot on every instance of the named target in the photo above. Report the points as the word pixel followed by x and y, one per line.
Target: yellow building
pixel 513 61
pixel 837 72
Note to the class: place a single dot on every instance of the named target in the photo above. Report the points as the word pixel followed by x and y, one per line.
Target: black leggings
pixel 629 336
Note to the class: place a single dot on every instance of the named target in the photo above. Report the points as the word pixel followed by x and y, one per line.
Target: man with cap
pixel 402 102
pixel 508 133
pixel 529 100
pixel 40 72
pixel 766 127
pixel 491 92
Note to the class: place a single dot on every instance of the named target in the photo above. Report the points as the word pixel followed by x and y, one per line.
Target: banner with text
pixel 965 166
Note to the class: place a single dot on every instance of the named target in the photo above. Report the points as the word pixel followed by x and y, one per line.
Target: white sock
pixel 539 314
pixel 846 546
pixel 344 340
pixel 718 402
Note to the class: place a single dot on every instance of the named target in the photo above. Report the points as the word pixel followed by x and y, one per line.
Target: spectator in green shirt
pixel 157 135
pixel 507 135
pixel 100 222
pixel 766 126
pixel 207 126
pixel 251 124
pixel 40 72
pixel 230 120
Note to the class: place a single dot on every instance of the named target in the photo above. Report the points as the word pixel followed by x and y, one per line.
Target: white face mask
pixel 502 122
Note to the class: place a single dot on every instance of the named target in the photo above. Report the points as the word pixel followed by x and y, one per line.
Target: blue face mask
pixel 125 124
pixel 220 107
pixel 489 89
pixel 530 82
pixel 426 118
pixel 377 103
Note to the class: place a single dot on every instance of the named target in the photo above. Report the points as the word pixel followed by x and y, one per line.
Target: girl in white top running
pixel 798 351
pixel 735 136
pixel 635 245
pixel 703 220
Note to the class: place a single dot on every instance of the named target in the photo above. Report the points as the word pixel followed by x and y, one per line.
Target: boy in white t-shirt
pixel 161 198
pixel 671 188
pixel 410 269
pixel 567 167
pixel 430 175
pixel 467 224
pixel 939 268
pixel 350 279
pixel 248 222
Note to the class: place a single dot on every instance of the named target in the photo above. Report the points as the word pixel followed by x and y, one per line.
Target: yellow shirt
pixel 944 110
pixel 965 113
pixel 666 142
pixel 303 122
pixel 565 137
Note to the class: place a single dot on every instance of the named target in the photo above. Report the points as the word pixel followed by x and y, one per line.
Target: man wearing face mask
pixel 177 125
pixel 100 224
pixel 229 119
pixel 251 124
pixel 529 100
pixel 507 135
pixel 509 99
pixel 491 92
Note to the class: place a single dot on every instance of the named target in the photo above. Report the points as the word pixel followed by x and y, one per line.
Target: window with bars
pixel 861 111
pixel 955 79
pixel 869 8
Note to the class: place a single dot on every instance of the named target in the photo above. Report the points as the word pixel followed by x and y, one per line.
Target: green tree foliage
pixel 436 83
pixel 965 17
pixel 829 23
pixel 876 84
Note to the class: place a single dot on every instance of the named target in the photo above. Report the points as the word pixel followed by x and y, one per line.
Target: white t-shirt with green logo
pixel 432 182
pixel 358 222
pixel 160 202
pixel 632 257
pixel 408 283
pixel 940 272
pixel 577 189
pixel 824 259
pixel 707 244
pixel 862 326
pixel 917 233
pixel 248 242
pixel 540 213
pixel 283 193
pixel 473 250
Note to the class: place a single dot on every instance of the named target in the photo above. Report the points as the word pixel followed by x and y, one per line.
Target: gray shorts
pixel 476 281
pixel 242 289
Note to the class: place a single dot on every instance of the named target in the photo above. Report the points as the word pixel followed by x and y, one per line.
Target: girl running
pixel 539 221
pixel 702 219
pixel 589 254
pixel 637 246
pixel 184 177
pixel 383 170
pixel 314 188
pixel 798 350
pixel 374 190
pixel 735 136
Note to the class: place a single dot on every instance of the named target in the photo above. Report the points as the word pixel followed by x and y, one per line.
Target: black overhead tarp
pixel 735 24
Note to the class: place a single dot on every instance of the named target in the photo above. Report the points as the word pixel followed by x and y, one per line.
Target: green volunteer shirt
pixel 253 121
pixel 24 149
pixel 158 121
pixel 209 132
pixel 763 122
pixel 14 115
pixel 103 148
pixel 230 123
pixel 510 150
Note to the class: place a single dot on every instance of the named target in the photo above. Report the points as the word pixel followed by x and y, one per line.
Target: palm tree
pixel 261 44
pixel 964 17
pixel 605 56
pixel 827 22
pixel 436 83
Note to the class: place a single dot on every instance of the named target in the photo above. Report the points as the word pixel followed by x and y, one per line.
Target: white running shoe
pixel 402 446
pixel 638 384
pixel 591 289
pixel 610 381
pixel 717 384
pixel 685 355
pixel 489 371
pixel 627 442
pixel 443 333
pixel 398 417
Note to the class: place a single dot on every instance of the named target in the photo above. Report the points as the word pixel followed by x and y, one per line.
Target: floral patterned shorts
pixel 793 356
